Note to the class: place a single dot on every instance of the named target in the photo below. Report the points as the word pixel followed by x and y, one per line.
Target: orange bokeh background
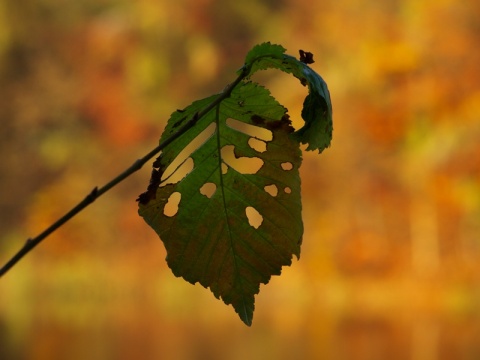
pixel 390 257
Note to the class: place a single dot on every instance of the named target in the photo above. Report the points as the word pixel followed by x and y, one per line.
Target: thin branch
pixel 137 165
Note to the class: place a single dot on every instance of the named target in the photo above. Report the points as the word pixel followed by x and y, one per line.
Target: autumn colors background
pixel 390 258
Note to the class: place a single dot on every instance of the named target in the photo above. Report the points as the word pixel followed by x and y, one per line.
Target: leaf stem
pixel 137 165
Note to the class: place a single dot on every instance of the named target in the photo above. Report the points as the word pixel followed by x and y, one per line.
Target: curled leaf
pixel 317 107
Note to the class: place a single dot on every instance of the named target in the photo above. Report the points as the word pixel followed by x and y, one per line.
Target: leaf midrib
pixel 222 187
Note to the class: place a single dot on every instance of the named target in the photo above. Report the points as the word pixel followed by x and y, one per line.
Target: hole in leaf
pixel 177 174
pixel 208 189
pixel 271 189
pixel 287 166
pixel 251 130
pixel 177 169
pixel 244 165
pixel 224 168
pixel 287 190
pixel 171 207
pixel 255 219
pixel 257 145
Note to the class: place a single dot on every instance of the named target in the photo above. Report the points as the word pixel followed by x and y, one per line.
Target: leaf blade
pixel 210 240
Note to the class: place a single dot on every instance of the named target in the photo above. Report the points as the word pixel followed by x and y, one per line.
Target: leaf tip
pixel 246 314
pixel 248 321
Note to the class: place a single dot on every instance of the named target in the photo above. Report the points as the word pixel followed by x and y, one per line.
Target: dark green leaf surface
pixel 210 240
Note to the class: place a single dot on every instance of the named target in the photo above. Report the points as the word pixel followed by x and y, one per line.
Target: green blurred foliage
pixel 389 265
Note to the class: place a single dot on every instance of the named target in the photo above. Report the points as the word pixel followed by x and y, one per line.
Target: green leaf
pixel 317 107
pixel 224 195
pixel 210 238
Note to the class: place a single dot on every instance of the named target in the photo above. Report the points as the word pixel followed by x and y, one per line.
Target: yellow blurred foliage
pixel 389 266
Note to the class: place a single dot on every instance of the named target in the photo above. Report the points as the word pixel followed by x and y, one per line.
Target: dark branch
pixel 137 165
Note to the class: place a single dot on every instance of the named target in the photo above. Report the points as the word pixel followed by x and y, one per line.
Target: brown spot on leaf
pixel 257 119
pixel 151 192
pixel 143 198
pixel 306 57
pixel 284 124
pixel 157 163
pixel 274 125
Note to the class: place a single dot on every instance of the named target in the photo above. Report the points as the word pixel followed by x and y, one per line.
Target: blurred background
pixel 390 259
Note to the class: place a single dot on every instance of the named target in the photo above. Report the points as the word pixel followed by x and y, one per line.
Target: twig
pixel 137 165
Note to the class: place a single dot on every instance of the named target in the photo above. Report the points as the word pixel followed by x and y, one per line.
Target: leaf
pixel 317 107
pixel 210 238
pixel 233 219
